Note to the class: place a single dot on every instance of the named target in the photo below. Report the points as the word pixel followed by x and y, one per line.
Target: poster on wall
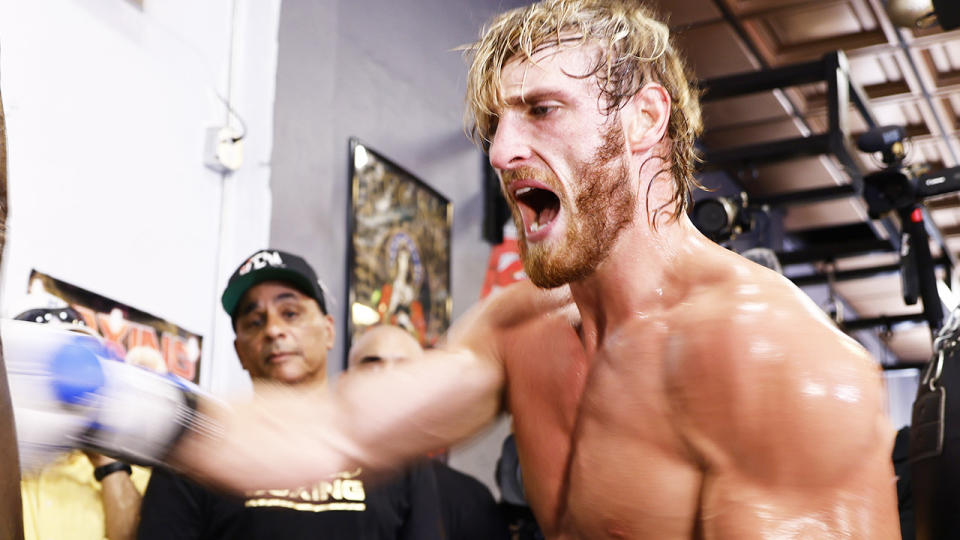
pixel 155 343
pixel 505 266
pixel 398 266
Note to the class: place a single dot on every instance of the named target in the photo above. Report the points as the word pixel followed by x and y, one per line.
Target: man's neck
pixel 317 384
pixel 638 278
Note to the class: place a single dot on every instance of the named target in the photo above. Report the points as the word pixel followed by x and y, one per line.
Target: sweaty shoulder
pixel 756 369
pixel 510 309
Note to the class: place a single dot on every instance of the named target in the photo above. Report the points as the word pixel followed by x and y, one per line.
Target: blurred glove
pixel 69 391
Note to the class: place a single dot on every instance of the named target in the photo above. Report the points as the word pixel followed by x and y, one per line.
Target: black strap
pixel 103 471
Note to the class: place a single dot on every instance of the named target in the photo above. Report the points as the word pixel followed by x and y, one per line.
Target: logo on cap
pixel 260 260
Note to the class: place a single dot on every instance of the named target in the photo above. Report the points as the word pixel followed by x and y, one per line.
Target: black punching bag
pixel 935 440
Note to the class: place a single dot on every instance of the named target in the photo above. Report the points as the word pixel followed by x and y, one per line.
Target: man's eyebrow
pixel 285 296
pixel 247 308
pixel 252 305
pixel 536 96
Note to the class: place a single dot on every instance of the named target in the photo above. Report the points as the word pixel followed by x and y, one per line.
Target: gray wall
pixel 383 71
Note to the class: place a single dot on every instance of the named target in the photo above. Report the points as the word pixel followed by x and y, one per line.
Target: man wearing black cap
pixel 277 287
pixel 283 334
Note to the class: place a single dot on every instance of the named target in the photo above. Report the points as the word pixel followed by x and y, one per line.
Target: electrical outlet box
pixel 223 150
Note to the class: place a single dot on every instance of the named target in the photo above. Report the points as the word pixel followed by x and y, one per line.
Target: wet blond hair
pixel 635 48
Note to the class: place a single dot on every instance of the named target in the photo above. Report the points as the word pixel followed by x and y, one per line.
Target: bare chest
pixel 601 457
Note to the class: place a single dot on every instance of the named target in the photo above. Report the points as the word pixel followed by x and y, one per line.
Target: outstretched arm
pixel 376 420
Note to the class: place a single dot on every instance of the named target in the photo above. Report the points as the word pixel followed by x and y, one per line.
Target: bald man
pixel 467 509
pixel 381 346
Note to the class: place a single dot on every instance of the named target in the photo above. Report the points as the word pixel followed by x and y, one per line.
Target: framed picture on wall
pixel 398 265
pixel 133 335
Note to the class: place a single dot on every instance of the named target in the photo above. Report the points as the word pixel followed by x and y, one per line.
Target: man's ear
pixel 236 349
pixel 331 331
pixel 649 117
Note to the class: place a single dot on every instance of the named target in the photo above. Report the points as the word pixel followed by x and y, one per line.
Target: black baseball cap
pixel 272 265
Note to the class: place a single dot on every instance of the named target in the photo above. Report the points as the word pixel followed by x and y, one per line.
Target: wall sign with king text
pixel 125 328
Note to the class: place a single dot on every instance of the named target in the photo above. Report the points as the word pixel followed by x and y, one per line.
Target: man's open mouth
pixel 538 207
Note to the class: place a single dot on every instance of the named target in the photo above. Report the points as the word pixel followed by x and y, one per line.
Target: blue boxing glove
pixel 68 391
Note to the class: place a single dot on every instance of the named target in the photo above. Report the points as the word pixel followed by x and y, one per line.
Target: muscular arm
pixel 786 416
pixel 375 420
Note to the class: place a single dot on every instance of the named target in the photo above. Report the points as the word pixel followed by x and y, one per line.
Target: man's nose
pixel 510 147
pixel 275 325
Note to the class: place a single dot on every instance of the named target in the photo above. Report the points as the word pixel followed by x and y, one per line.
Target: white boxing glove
pixel 69 392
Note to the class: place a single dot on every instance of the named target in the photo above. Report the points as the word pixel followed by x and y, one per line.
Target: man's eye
pixel 290 314
pixel 252 323
pixel 541 110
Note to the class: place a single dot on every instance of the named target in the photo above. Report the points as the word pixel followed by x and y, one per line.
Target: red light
pixel 917 215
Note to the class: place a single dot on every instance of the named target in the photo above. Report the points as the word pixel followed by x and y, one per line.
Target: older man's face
pixel 381 346
pixel 282 335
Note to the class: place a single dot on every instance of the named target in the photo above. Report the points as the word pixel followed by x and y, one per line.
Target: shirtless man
pixel 466 507
pixel 661 386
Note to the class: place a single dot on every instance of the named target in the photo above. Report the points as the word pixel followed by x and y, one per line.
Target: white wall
pixel 901 388
pixel 107 106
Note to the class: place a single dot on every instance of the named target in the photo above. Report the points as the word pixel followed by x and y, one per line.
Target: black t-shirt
pixel 428 501
pixel 467 507
pixel 344 507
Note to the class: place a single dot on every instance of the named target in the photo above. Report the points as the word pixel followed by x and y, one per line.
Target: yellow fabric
pixel 62 501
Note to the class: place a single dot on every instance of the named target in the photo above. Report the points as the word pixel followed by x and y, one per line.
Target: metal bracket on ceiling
pixel 842 92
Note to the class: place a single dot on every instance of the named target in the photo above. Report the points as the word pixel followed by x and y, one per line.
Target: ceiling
pixel 910 78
